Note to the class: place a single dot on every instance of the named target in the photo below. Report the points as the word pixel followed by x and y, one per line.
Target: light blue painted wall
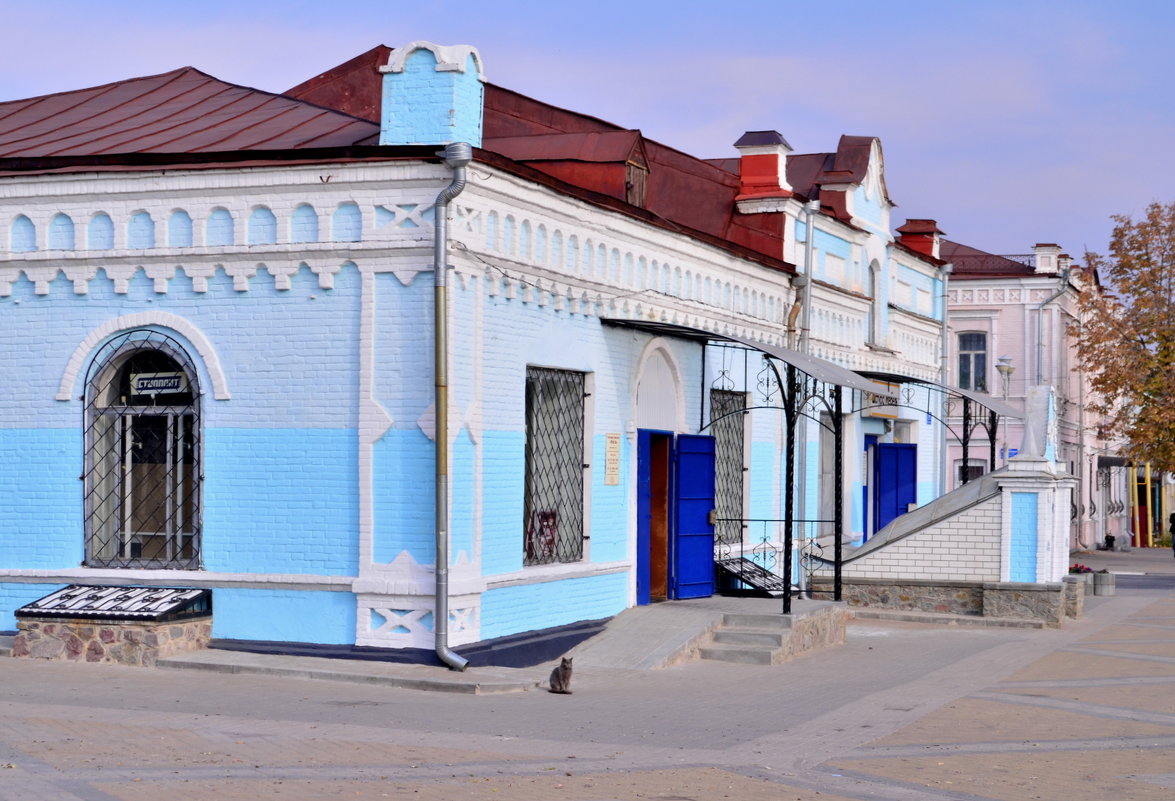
pixel 347 223
pixel 41 516
pixel 462 500
pixel 284 616
pixel 140 231
pixel 262 227
pixel 279 457
pixel 14 595
pixel 868 209
pixel 610 507
pixel 179 229
pixel 23 235
pixel 764 476
pixel 1024 536
pixel 403 505
pixel 281 501
pixel 304 224
pixel 220 230
pixel 422 106
pixel 61 233
pixel 920 282
pixel 503 464
pixel 510 610
pixel 100 232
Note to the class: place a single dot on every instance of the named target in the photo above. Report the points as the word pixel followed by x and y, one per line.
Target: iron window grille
pixel 142 455
pixel 729 457
pixel 553 499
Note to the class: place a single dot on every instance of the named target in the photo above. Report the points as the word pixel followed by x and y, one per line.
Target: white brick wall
pixel 964 548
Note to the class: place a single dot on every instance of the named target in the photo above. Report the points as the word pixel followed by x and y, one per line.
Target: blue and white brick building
pixel 291 283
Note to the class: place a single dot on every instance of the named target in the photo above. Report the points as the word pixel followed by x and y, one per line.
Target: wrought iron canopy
pixel 1000 407
pixel 820 369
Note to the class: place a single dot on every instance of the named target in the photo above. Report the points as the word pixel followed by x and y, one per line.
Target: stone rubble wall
pixel 112 642
pixel 812 632
pixel 1051 602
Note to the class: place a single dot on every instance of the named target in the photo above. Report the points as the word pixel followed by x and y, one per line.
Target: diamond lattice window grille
pixel 729 444
pixel 142 455
pixel 553 501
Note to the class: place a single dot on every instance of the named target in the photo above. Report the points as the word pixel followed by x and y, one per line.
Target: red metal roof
pixel 974 263
pixel 607 146
pixel 183 111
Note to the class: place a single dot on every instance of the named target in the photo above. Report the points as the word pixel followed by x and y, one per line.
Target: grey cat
pixel 561 677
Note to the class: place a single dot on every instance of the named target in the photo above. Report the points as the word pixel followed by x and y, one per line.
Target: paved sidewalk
pixel 901 712
pixel 1142 561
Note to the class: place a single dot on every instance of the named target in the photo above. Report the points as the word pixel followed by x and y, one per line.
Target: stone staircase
pixel 770 639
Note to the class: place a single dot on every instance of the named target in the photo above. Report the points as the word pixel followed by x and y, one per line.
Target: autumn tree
pixel 1126 339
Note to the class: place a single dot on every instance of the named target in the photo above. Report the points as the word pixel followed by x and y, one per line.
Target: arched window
pixel 140 231
pixel 262 227
pixel 61 233
pixel 179 229
pixel 142 455
pixel 24 235
pixel 304 224
pixel 219 231
pixel 100 234
pixel 347 225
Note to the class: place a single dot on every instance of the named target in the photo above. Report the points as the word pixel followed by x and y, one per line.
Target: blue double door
pixel 893 482
pixel 675 526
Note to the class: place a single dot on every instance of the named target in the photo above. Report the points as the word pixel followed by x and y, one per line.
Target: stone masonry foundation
pixel 1050 602
pixel 118 642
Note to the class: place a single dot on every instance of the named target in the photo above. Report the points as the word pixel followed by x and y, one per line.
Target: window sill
pixel 540 574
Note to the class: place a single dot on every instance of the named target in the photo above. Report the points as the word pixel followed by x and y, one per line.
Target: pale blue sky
pixel 1008 122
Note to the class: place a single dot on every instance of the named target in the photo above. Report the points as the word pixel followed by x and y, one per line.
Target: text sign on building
pixel 158 383
pixel 611 459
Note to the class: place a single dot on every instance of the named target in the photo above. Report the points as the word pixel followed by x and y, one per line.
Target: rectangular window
pixel 973 361
pixel 553 503
pixel 973 469
pixel 729 461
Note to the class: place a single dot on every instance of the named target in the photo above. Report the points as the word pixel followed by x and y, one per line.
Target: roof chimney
pixel 1046 257
pixel 921 236
pixel 432 95
pixel 763 165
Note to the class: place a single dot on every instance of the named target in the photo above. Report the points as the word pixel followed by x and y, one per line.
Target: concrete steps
pixel 766 639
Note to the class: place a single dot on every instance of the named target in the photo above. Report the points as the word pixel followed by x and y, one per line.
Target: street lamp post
pixel 1006 369
pixel 1004 365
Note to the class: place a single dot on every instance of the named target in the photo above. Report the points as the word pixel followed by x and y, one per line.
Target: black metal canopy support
pixel 990 423
pixel 809 381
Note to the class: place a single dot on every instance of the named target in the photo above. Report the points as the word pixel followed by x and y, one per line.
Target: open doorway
pixel 654 473
pixel 675 516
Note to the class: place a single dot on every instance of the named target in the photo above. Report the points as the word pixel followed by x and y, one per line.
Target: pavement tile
pixel 696 784
pixel 148 748
pixel 1043 775
pixel 1149 698
pixel 1087 665
pixel 973 720
pixel 1114 634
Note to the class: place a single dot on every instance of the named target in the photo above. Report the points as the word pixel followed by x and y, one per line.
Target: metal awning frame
pixel 986 416
pixel 800 386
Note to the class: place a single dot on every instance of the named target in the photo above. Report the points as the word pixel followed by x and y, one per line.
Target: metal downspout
pixel 811 209
pixel 944 365
pixel 457 155
pixel 1062 285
